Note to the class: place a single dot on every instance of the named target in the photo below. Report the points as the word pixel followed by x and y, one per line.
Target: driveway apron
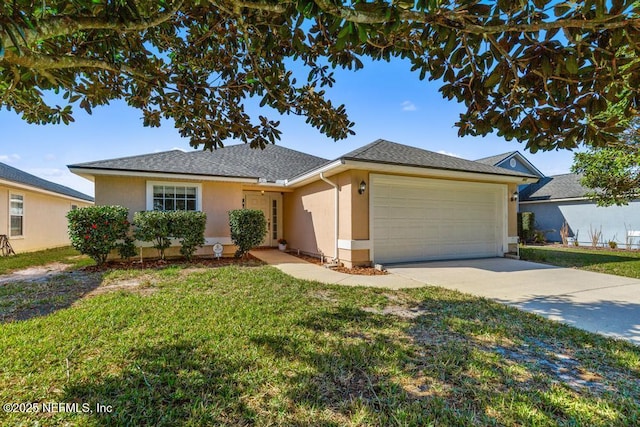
pixel 601 303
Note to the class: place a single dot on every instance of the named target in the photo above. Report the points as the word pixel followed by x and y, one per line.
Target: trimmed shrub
pixel 160 227
pixel 526 226
pixel 95 230
pixel 248 227
pixel 126 248
pixel 189 227
pixel 153 226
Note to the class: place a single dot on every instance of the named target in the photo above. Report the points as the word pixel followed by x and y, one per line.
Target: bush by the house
pixel 155 227
pixel 95 230
pixel 526 226
pixel 160 227
pixel 248 227
pixel 127 248
pixel 189 227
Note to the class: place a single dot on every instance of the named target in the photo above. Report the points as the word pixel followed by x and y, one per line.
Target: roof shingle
pixel 382 151
pixel 239 161
pixel 565 186
pixel 10 173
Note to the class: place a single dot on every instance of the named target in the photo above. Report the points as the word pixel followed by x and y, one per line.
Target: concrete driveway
pixel 602 303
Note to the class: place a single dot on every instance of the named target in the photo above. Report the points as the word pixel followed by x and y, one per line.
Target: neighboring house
pixel 559 198
pixel 382 203
pixel 33 210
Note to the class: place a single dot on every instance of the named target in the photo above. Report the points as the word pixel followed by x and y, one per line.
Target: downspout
pixel 335 186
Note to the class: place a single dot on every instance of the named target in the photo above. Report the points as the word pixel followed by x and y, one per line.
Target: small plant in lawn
pixel 612 243
pixel 576 242
pixel 153 226
pixel 95 230
pixel 248 227
pixel 595 236
pixel 564 234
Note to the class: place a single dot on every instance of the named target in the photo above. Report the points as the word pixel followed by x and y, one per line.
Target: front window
pixel 16 212
pixel 167 196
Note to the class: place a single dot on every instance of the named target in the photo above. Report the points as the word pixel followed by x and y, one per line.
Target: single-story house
pixel 557 199
pixel 382 203
pixel 33 210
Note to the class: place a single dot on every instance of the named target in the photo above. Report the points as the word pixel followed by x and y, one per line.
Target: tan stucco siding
pixel 44 220
pixel 123 191
pixel 309 214
pixel 359 206
pixel 512 214
pixel 218 198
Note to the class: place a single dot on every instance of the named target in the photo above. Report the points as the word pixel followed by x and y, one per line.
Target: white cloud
pixel 46 173
pixel 9 158
pixel 447 153
pixel 50 157
pixel 408 106
pixel 161 150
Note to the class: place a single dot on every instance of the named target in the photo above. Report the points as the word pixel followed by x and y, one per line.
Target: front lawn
pixel 618 262
pixel 245 345
pixel 65 255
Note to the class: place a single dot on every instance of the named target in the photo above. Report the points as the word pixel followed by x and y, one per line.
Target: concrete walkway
pixel 302 269
pixel 601 303
pixel 596 302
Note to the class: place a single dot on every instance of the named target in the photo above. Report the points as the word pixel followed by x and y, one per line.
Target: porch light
pixel 514 196
pixel 362 188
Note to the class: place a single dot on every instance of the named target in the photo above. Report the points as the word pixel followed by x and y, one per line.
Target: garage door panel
pixel 421 219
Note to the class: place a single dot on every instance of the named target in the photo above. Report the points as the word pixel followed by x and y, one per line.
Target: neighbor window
pixel 167 196
pixel 16 213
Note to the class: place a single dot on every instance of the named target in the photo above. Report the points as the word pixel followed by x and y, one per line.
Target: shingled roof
pixel 565 186
pixel 382 151
pixel 272 163
pixel 12 174
pixel 498 158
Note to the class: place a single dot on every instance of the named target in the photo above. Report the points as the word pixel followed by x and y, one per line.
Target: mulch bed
pixel 361 271
pixel 155 264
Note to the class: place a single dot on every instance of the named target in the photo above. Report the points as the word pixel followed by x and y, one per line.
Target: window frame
pixel 9 231
pixel 151 184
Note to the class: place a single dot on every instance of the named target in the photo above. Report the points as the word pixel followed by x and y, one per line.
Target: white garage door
pixel 415 219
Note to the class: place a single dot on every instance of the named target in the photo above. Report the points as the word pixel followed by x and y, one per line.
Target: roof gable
pixel 520 163
pixel 12 174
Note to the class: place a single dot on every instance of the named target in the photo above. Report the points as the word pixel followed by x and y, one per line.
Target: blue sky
pixel 385 100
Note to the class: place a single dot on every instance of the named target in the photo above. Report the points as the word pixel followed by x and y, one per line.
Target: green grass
pixel 65 255
pixel 620 263
pixel 248 345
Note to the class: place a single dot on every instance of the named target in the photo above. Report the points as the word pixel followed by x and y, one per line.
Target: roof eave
pixel 91 173
pixel 27 187
pixel 346 164
pixel 564 199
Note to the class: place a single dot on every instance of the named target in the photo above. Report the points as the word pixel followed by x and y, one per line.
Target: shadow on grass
pixel 343 365
pixel 26 299
pixel 434 375
pixel 169 385
pixel 568 258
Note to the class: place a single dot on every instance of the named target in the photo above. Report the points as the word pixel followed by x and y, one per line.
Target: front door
pixel 271 205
